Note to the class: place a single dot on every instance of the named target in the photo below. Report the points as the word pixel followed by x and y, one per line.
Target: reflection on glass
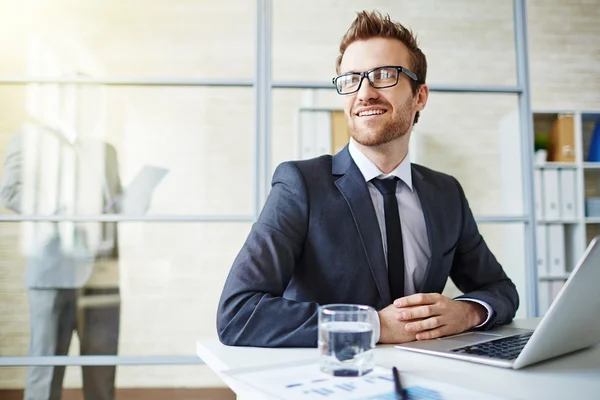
pixel 163 38
pixel 72 269
pixel 54 166
pixel 165 272
pixel 168 382
pixel 188 131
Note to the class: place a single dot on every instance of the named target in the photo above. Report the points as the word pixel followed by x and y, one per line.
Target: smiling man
pixel 366 226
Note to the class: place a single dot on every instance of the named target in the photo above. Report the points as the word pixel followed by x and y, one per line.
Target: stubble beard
pixel 396 128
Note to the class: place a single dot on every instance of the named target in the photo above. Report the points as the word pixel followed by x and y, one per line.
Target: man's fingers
pixel 417 299
pixel 425 325
pixel 434 333
pixel 408 314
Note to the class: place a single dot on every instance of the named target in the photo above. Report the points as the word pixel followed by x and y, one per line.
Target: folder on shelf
pixel 556 249
pixel 537 194
pixel 594 151
pixel 567 193
pixel 561 147
pixel 541 240
pixel 551 196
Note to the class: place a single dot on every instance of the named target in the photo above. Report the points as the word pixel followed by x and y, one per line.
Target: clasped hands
pixel 427 316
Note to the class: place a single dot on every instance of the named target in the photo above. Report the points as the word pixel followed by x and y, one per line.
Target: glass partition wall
pixel 138 142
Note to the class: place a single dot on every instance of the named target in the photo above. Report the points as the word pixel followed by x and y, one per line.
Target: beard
pixel 390 130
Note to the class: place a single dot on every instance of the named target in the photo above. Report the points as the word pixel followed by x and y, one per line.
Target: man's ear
pixel 422 96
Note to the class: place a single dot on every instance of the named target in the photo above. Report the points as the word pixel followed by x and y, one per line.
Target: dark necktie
pixel 393 230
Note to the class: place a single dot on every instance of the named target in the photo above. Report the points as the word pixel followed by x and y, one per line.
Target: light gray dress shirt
pixel 414 230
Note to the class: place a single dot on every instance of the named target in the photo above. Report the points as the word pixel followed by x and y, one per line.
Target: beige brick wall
pixel 171 274
pixel 564 54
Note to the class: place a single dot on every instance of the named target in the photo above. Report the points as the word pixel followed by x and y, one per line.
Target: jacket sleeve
pixel 10 181
pixel 477 273
pixel 252 310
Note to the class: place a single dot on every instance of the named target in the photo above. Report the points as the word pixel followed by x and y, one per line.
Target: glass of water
pixel 346 339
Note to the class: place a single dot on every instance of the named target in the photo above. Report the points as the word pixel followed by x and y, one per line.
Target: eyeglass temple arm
pixel 409 73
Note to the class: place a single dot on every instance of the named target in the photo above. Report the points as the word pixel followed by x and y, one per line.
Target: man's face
pixel 379 116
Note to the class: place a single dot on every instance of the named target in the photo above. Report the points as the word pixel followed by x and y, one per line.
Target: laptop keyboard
pixel 507 348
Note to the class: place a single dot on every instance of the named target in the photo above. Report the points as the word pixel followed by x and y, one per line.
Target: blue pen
pixel 400 392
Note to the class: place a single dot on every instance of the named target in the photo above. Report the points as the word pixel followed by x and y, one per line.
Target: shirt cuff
pixel 376 328
pixel 490 310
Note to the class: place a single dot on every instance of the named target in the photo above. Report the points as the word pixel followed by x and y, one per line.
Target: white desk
pixel 574 376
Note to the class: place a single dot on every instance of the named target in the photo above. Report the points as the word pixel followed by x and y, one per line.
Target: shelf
pixel 559 165
pixel 541 112
pixel 591 165
pixel 558 221
pixel 562 277
pixel 559 184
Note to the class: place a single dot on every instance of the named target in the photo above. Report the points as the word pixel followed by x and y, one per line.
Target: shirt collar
pixel 369 170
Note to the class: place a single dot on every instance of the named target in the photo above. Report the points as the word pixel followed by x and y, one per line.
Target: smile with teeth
pixel 370 112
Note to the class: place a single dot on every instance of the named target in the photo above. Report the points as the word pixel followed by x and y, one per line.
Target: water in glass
pixel 346 340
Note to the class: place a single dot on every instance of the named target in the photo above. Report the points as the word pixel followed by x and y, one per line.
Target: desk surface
pixel 573 376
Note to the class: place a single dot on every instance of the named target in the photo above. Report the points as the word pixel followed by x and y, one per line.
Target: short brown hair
pixel 368 25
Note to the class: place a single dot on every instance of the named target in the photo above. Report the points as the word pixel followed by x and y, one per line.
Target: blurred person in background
pixel 52 169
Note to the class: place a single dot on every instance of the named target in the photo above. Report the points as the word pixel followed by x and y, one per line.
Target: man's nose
pixel 366 91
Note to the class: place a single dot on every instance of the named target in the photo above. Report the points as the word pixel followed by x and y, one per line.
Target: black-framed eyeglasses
pixel 379 78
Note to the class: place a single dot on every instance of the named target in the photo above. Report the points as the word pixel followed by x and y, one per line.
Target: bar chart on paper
pixel 301 381
pixel 370 387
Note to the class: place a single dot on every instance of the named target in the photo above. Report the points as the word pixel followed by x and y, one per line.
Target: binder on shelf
pixel 594 151
pixel 592 207
pixel 550 187
pixel 556 249
pixel 541 240
pixel 567 193
pixel 537 193
pixel 561 147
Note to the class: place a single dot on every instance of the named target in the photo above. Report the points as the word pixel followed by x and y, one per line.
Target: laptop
pixel 571 323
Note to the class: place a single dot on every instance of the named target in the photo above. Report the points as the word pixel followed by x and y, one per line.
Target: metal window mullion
pixel 502 219
pixel 194 218
pixel 128 81
pixel 257 109
pixel 268 95
pixel 125 218
pixel 526 128
pixel 493 89
pixel 108 360
pixel 263 102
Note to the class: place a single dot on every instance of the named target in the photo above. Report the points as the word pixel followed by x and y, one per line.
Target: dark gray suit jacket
pixel 317 241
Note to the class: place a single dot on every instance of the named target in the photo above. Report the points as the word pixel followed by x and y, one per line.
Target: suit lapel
pixel 354 189
pixel 432 211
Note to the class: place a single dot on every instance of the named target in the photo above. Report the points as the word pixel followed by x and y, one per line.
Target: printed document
pixel 304 380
